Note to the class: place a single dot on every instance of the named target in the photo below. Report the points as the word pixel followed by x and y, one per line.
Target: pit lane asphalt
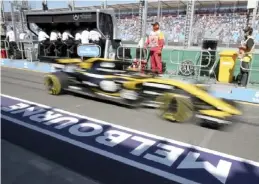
pixel 20 166
pixel 240 140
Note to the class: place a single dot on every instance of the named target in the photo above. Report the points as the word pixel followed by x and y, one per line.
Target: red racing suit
pixel 156 43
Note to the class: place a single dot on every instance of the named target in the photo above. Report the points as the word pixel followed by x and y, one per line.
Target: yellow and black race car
pixel 112 80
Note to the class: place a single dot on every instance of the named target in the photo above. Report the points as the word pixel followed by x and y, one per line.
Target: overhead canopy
pixel 175 4
pixel 39 19
pixel 165 4
pixel 61 17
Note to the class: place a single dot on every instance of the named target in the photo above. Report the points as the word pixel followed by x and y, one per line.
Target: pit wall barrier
pixel 33 66
pixel 249 95
pixel 175 56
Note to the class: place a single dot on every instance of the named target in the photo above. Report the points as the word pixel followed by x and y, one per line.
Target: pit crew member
pixel 85 36
pixel 11 38
pixel 94 36
pixel 156 43
pixel 245 55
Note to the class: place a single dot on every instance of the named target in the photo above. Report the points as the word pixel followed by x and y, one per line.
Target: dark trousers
pixel 43 44
pixel 69 42
pixel 70 47
pixel 77 42
pixel 14 52
pixel 244 73
pixel 58 48
pixel 12 49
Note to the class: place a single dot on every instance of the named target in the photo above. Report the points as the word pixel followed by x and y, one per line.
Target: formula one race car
pixel 113 80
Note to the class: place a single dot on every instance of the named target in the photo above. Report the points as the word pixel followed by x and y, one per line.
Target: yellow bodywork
pixel 68 61
pixel 224 109
pixel 215 113
pixel 85 64
pixel 193 90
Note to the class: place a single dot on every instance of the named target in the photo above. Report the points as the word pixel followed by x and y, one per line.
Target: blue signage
pixel 89 50
pixel 166 158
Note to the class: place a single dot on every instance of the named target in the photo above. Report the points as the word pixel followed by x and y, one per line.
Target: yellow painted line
pixel 24 69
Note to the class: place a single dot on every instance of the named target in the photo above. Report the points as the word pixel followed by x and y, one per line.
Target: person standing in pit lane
pixel 95 36
pixel 85 36
pixel 66 36
pixel 78 36
pixel 10 37
pixel 55 40
pixel 54 36
pixel 42 36
pixel 156 43
pixel 246 54
pixel 43 39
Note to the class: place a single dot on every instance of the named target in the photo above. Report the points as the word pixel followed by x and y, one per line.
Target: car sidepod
pixel 151 90
pixel 130 93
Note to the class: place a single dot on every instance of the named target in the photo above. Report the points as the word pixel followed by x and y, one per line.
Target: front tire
pixel 55 83
pixel 175 107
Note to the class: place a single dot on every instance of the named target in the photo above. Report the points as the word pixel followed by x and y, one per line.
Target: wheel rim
pixel 172 108
pixel 164 100
pixel 49 84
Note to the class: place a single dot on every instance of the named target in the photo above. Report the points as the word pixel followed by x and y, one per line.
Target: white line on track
pixel 142 133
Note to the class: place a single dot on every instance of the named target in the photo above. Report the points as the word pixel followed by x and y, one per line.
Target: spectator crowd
pixel 227 27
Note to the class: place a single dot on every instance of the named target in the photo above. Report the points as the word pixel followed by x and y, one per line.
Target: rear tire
pixel 175 108
pixel 55 83
pixel 211 124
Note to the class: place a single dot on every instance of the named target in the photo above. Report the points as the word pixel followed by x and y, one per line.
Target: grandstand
pixel 220 19
pixel 2 22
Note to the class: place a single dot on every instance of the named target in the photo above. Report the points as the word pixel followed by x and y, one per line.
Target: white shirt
pixel 95 35
pixel 54 36
pixel 66 35
pixel 85 37
pixel 78 36
pixel 22 36
pixel 42 36
pixel 10 35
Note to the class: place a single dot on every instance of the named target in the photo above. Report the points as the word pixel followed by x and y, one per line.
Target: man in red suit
pixel 156 42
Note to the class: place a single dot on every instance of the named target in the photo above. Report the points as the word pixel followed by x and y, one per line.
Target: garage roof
pixel 165 4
